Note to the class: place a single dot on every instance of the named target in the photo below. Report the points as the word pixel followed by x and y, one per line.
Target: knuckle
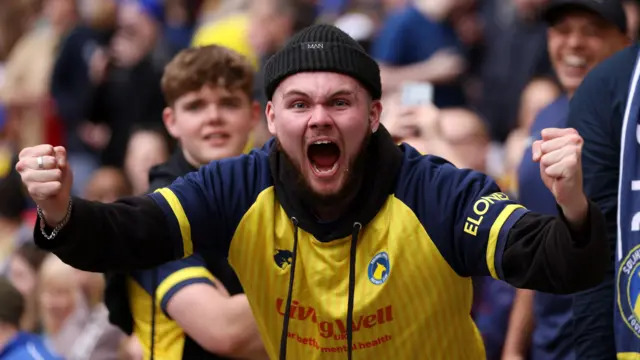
pixel 575 138
pixel 56 187
pixel 32 189
pixel 20 166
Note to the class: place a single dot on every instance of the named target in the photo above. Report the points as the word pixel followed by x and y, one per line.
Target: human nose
pixel 320 118
pixel 214 114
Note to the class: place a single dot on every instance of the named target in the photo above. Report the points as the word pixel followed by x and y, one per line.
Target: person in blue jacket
pixel 16 344
pixel 604 110
pixel 582 33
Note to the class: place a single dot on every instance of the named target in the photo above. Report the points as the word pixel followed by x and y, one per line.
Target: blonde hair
pixel 53 267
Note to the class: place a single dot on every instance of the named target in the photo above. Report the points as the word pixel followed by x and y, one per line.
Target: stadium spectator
pixel 24 267
pixel 107 185
pixel 212 116
pixel 81 66
pixel 297 194
pixel 129 96
pixel 16 344
pixel 514 53
pixel 418 44
pixel 581 35
pixel 13 202
pixel 27 73
pixel 146 149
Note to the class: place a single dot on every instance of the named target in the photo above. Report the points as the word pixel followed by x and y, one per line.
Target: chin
pixel 326 187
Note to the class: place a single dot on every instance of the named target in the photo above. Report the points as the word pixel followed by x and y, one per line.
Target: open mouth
pixel 216 139
pixel 323 156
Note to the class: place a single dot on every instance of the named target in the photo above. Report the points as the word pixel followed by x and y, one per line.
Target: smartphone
pixel 417 93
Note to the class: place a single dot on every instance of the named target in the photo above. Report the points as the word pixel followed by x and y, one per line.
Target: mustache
pixel 354 172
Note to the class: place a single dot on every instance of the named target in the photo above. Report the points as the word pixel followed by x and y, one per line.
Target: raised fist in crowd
pixel 48 178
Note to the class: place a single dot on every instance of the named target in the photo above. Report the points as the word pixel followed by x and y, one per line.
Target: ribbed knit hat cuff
pixel 317 56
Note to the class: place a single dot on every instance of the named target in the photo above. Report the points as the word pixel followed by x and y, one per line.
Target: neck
pixel 7 333
pixel 190 159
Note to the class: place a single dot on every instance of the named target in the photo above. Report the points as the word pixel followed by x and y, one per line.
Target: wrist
pixel 54 217
pixel 576 212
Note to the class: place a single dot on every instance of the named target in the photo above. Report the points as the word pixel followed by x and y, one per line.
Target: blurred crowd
pixel 86 74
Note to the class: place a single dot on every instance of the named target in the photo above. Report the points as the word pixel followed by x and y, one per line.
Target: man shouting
pixel 347 245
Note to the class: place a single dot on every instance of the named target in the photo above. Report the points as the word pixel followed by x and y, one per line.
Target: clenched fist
pixel 46 175
pixel 559 154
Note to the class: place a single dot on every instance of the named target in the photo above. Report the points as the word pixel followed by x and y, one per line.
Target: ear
pixel 169 119
pixel 375 111
pixel 271 118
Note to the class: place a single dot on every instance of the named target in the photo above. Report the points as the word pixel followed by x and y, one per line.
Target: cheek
pixel 190 124
pixel 353 132
pixel 554 47
pixel 601 50
pixel 239 121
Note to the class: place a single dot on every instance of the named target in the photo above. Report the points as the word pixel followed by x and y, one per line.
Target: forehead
pixel 215 90
pixel 318 84
pixel 460 121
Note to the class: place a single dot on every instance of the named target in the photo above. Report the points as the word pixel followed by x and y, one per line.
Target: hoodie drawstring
pixel 154 285
pixel 352 286
pixel 287 309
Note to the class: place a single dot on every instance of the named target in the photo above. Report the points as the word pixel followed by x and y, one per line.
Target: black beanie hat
pixel 322 48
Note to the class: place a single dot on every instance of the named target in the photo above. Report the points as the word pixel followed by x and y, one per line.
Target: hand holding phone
pixel 417 93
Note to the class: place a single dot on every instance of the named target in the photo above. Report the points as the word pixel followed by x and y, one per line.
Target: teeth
pixel 321 142
pixel 573 60
pixel 325 171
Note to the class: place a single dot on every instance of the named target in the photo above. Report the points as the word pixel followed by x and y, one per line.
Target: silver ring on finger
pixel 40 162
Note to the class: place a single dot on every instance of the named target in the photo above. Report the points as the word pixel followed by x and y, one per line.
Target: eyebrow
pixel 342 92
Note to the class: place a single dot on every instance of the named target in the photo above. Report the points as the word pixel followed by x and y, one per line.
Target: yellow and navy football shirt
pixel 170 341
pixel 414 260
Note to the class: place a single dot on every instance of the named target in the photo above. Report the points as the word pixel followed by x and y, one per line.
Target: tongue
pixel 323 156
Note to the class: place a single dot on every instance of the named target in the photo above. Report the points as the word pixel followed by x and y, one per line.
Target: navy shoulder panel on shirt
pixel 464 212
pixel 203 208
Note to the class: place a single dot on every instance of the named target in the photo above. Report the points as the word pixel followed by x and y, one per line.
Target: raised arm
pixel 484 233
pixel 129 234
pixel 497 237
pixel 197 213
pixel 133 233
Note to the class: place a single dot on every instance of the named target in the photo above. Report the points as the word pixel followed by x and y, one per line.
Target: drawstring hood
pixel 382 162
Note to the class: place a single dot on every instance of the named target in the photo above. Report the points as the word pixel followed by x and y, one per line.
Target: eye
pixel 298 105
pixel 340 103
pixel 232 103
pixel 194 105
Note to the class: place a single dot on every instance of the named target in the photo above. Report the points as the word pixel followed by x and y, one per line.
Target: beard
pixel 354 174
